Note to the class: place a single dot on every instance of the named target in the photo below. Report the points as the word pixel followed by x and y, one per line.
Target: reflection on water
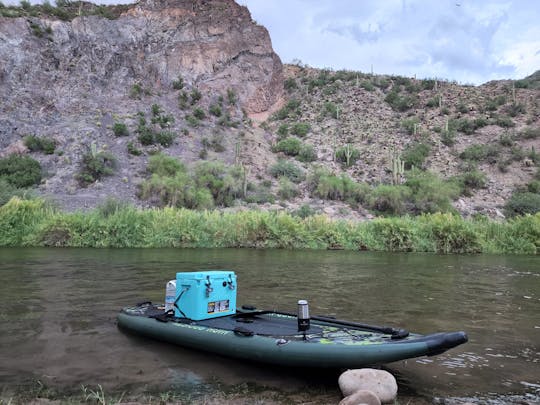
pixel 58 308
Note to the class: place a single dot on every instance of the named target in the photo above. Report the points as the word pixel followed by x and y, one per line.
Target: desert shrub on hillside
pixel 290 110
pixel 290 146
pixel 300 129
pixel 8 190
pixel 415 154
pixel 504 121
pixel 120 129
pixel 36 144
pixel 307 153
pixel 430 193
pixel 287 189
pixel 481 152
pixel 389 200
pixel 215 110
pixel 290 84
pixel 400 102
pixel 326 185
pixel 470 179
pixel 95 165
pixel 20 171
pixel 522 203
pixel 529 133
pixel 467 126
pixel 285 168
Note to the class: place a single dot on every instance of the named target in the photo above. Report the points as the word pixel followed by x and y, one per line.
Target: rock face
pixel 71 81
pixel 380 382
pixel 93 61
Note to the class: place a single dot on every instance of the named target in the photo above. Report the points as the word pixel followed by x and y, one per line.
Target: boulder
pixel 380 382
pixel 361 397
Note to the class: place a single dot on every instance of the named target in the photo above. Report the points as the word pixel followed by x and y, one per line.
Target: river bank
pixel 34 223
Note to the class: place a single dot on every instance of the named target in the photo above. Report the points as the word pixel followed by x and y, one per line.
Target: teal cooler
pixel 205 294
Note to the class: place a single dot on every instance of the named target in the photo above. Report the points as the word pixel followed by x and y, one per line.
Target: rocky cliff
pixel 71 80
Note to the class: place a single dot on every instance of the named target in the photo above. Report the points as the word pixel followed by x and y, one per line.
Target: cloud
pixel 456 40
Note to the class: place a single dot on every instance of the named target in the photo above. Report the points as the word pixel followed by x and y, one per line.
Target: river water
pixel 58 309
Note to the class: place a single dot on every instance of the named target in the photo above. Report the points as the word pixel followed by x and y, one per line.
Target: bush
pixel 467 126
pixel 504 122
pixel 8 190
pixel 400 102
pixel 225 184
pixel 430 194
pixel 36 144
pixel 522 203
pixel 133 150
pixel 215 110
pixel 195 96
pixel 120 129
pixel 472 179
pixel 300 129
pixel 287 189
pixel 164 138
pixel 20 171
pixel 307 153
pixel 478 153
pixel 367 85
pixel 389 200
pixel 428 84
pixel 415 154
pixel 328 186
pixel 448 138
pixel 284 168
pixel 330 110
pixel 283 130
pixel 192 121
pixel 156 110
pixel 199 113
pixel 290 84
pixel 146 136
pixel 304 211
pixel 450 234
pixel 290 146
pixel 165 166
pixel 95 165
pixel 290 110
pixel 515 108
pixel 231 97
pixel 178 84
pixel 530 133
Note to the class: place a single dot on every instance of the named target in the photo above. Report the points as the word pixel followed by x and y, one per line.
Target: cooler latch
pixel 230 282
pixel 208 285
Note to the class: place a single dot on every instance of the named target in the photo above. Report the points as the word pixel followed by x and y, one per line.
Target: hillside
pixel 96 93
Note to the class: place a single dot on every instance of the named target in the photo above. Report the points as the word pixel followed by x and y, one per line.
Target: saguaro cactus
pixel 397 167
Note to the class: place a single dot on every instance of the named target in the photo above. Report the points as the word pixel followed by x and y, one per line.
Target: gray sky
pixel 471 41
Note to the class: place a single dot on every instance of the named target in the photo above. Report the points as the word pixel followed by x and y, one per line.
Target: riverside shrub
pixel 20 171
pixel 32 223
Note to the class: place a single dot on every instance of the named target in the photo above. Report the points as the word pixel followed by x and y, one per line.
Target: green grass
pixel 34 223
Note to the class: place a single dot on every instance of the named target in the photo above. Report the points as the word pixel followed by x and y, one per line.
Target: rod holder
pixel 303 316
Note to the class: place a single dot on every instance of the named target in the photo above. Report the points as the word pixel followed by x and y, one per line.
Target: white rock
pixel 380 382
pixel 362 397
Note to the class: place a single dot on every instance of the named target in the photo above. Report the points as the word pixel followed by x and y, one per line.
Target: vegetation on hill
pixel 63 9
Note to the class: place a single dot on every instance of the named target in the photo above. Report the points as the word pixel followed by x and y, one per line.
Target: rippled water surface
pixel 58 308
